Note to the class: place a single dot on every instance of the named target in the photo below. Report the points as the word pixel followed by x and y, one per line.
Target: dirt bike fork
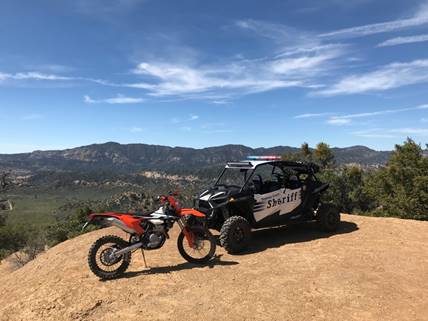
pixel 187 234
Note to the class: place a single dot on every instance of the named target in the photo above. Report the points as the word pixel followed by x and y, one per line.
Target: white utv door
pixel 272 197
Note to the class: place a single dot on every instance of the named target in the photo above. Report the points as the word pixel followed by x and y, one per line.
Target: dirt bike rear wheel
pixel 100 261
pixel 203 248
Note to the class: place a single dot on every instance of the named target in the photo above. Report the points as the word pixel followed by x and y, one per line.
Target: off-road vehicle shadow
pixel 216 260
pixel 276 237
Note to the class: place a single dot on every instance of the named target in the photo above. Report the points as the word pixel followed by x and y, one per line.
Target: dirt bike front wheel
pixel 101 261
pixel 202 249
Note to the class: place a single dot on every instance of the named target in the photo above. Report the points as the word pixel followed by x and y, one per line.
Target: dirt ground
pixel 371 269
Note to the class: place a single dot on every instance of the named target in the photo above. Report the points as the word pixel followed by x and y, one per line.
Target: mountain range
pixel 130 157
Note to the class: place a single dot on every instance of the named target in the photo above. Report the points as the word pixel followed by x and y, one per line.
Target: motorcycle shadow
pixel 304 232
pixel 216 260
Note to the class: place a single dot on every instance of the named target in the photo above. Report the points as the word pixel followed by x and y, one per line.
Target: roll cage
pixel 249 168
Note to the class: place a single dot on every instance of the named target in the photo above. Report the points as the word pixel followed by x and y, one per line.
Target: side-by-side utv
pixel 264 192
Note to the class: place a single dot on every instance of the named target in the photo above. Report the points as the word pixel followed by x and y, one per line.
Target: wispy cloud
pixel 346 119
pixel 51 78
pixel 312 115
pixel 420 17
pixel 338 121
pixel 217 131
pixel 387 77
pixel 392 133
pixel 169 79
pixel 120 99
pixel 305 63
pixel 403 40
pixel 136 129
pixel 191 117
pixel 32 75
pixel 186 128
pixel 238 77
pixel 50 68
pixel 283 35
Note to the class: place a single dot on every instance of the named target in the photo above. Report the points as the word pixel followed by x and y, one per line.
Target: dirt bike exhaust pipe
pixel 128 249
pixel 118 223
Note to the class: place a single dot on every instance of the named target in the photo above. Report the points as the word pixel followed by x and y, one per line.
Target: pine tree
pixel 324 155
pixel 401 187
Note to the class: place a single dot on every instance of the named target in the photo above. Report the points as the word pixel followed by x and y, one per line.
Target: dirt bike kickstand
pixel 144 258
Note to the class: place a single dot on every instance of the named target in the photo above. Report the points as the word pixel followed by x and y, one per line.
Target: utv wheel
pixel 235 234
pixel 100 261
pixel 328 217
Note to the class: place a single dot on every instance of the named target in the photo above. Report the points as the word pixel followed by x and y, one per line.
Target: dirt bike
pixel 110 256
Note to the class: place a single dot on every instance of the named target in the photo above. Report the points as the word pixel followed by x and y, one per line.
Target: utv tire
pixel 97 267
pixel 328 217
pixel 235 234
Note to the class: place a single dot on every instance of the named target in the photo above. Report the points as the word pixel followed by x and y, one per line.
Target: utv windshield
pixel 233 177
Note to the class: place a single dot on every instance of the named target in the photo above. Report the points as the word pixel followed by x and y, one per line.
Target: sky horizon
pixel 201 74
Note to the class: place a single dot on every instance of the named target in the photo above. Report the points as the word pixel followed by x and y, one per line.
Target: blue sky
pixel 205 73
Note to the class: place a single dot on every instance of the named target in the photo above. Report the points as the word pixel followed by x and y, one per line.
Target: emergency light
pixel 264 157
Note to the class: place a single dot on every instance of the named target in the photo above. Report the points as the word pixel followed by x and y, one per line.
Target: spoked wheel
pixel 203 248
pixel 101 260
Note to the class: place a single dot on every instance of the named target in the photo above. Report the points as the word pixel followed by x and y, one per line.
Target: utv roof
pixel 299 166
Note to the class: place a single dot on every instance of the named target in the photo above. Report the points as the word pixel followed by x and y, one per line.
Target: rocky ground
pixel 371 269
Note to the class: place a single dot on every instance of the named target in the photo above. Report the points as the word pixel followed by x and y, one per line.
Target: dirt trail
pixel 372 269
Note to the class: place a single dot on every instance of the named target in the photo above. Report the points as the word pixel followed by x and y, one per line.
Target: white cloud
pixel 311 115
pixel 186 128
pixel 169 79
pixel 217 131
pixel 50 68
pixel 212 125
pixel 283 35
pixel 411 131
pixel 387 77
pixel 120 99
pixel 419 18
pixel 32 75
pixel 238 77
pixel 191 117
pixel 392 133
pixel 338 121
pixel 37 76
pixel 136 129
pixel 289 66
pixel 220 102
pixel 403 40
pixel 346 119
pixel 374 133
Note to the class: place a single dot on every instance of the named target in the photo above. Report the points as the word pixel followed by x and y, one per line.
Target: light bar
pixel 240 164
pixel 264 157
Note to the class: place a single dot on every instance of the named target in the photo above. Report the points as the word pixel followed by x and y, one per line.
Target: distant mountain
pixel 129 157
